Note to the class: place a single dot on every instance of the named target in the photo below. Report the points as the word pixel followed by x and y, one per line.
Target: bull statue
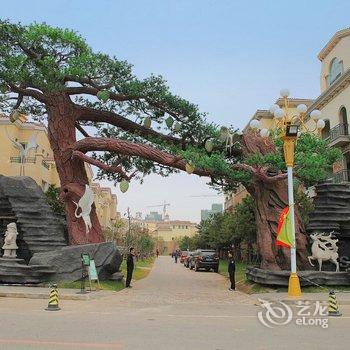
pixel 324 248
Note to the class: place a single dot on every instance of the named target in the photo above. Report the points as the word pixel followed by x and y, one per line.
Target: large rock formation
pixel 67 261
pixel 332 213
pixel 40 230
pixel 16 271
pixel 42 239
pixel 307 278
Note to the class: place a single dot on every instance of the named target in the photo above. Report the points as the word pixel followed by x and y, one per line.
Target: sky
pixel 229 57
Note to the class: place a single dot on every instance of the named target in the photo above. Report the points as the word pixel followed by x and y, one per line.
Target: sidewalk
pixel 43 293
pixel 342 297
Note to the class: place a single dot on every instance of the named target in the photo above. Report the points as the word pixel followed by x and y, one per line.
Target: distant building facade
pixel 153 216
pixel 40 164
pixel 215 208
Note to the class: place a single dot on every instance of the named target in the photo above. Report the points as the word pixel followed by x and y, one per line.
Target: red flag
pixel 284 229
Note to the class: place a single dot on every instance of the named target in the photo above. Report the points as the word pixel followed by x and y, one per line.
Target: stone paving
pixel 170 283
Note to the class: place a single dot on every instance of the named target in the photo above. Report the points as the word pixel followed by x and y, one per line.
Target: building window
pixel 326 129
pixel 343 116
pixel 335 71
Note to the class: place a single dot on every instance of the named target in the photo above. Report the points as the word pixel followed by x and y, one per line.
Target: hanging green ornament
pixel 177 127
pixel 169 122
pixel 147 122
pixel 209 145
pixel 189 168
pixel 103 95
pixel 124 186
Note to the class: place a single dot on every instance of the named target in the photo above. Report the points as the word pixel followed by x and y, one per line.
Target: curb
pixel 292 301
pixel 46 295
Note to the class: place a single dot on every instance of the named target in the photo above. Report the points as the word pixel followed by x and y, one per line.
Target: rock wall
pixel 307 278
pixel 67 261
pixel 332 213
pixel 23 201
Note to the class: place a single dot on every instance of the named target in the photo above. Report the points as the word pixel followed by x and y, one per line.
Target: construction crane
pixel 164 205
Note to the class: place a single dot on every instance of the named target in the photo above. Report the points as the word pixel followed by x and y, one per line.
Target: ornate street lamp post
pixel 288 128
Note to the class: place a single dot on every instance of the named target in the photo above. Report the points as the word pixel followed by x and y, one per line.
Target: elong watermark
pixel 278 313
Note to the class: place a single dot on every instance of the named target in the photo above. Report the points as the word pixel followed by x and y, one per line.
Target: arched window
pixel 335 70
pixel 326 130
pixel 343 118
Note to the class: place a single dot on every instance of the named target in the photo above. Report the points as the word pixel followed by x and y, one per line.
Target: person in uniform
pixel 129 267
pixel 231 271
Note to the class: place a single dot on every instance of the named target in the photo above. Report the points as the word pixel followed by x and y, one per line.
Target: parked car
pixel 187 259
pixel 183 256
pixel 204 259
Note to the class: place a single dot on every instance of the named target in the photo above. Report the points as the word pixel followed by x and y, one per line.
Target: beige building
pixel 170 232
pixel 333 102
pixel 39 163
pixel 167 233
pixel 106 205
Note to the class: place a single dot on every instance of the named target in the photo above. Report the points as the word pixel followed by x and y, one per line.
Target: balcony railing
pixel 45 165
pixel 341 176
pixel 26 160
pixel 338 131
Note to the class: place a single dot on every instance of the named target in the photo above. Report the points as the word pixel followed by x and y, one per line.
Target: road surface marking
pixel 74 345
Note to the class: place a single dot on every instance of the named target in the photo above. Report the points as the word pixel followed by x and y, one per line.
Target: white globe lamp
pixel 264 133
pixel 284 92
pixel 301 108
pixel 279 113
pixel 254 124
pixel 320 124
pixel 273 108
pixel 315 114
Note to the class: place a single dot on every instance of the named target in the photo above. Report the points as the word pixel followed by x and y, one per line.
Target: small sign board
pixel 93 277
pixel 92 271
pixel 85 258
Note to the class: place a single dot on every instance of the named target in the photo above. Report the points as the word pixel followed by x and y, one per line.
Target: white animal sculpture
pixel 85 203
pixel 324 248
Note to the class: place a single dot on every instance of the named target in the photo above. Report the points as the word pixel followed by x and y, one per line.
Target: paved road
pixel 173 308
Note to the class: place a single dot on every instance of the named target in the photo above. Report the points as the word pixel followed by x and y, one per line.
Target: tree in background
pixel 52 74
pixel 116 232
pixel 221 230
pixel 52 196
pixel 144 244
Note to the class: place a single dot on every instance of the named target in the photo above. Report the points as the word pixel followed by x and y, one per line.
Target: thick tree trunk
pixel 270 199
pixel 72 174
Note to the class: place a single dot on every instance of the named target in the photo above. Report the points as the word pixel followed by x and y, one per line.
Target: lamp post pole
pixel 288 128
pixel 289 141
pixel 293 255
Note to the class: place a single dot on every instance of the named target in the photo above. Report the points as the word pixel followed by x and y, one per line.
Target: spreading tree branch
pixel 82 130
pixel 98 116
pixel 128 148
pixel 108 168
pixel 28 92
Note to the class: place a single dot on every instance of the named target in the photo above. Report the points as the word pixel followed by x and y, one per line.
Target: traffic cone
pixel 53 300
pixel 333 309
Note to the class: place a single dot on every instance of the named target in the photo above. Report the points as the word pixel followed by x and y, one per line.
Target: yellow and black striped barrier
pixel 333 309
pixel 53 299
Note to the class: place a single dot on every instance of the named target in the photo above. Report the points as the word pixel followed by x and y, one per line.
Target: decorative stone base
pixel 67 261
pixel 118 276
pixel 307 278
pixel 15 271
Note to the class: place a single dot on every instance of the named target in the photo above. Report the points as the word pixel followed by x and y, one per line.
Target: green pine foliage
pixel 51 60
